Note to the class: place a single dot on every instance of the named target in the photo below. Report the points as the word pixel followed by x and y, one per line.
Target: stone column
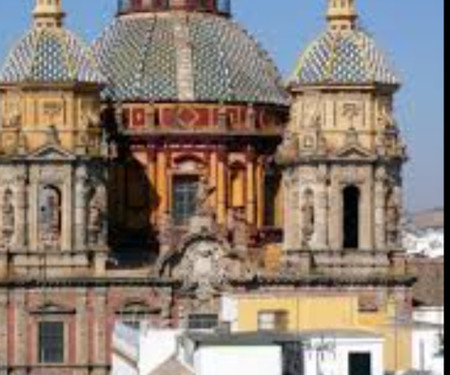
pixel 291 211
pixel 80 208
pixel 20 337
pixel 152 183
pixel 82 333
pixel 380 209
pixel 366 217
pixel 260 187
pixel 100 330
pixel 213 178
pixel 251 198
pixel 321 225
pixel 162 185
pixel 335 216
pixel 21 236
pixel 221 187
pixel 3 328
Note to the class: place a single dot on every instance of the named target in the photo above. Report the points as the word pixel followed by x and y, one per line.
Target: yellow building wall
pixel 306 312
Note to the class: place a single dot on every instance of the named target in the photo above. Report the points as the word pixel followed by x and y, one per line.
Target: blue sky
pixel 410 31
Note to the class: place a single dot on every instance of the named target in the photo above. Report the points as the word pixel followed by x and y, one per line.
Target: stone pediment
pixel 51 153
pixel 354 151
pixel 52 309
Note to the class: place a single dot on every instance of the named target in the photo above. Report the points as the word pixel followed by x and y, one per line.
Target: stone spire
pixel 48 14
pixel 341 15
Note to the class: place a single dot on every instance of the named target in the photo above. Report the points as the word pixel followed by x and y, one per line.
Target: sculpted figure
pixel 239 229
pixel 204 191
pixel 308 218
pixel 289 149
pixel 50 215
pixel 8 217
pixel 95 216
pixel 393 218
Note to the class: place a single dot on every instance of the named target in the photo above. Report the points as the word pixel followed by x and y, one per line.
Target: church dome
pixel 344 54
pixel 344 58
pixel 50 55
pixel 190 56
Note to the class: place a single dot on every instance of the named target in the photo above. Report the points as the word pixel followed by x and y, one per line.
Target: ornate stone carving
pixel 393 216
pixel 308 218
pixel 52 137
pixel 240 229
pixel 96 217
pixel 289 149
pixel 50 216
pixel 8 216
pixel 352 137
pixel 204 191
pixel 206 267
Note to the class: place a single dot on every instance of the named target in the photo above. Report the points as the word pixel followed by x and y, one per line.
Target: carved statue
pixel 96 217
pixel 393 215
pixel 50 220
pixel 204 191
pixel 289 149
pixel 239 229
pixel 52 135
pixel 308 218
pixel 8 216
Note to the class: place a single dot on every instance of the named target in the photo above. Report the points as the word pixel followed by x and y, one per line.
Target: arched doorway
pixel 351 197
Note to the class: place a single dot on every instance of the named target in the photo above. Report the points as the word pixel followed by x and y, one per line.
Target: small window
pixel 51 342
pixel 184 198
pixel 360 364
pixel 272 186
pixel 276 321
pixel 134 314
pixel 203 321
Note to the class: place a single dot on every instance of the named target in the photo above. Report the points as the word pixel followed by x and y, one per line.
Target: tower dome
pixel 49 53
pixel 191 51
pixel 343 54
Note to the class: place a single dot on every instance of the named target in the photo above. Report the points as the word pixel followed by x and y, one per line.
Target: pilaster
pixel 80 208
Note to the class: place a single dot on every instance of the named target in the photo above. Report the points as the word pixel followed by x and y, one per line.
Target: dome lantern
pixel 222 7
pixel 341 15
pixel 48 14
pixel 344 54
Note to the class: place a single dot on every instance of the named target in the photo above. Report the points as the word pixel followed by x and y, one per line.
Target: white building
pixel 167 352
pixel 427 242
pixel 428 340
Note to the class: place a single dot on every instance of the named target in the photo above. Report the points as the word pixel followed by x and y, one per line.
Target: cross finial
pixel 48 14
pixel 341 15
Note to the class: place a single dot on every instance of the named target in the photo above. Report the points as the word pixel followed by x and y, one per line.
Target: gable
pixel 354 152
pixel 52 152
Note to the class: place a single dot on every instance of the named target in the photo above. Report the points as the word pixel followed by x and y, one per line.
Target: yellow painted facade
pixel 30 111
pixel 329 312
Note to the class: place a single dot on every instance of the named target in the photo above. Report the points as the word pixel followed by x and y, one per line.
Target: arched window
pixel 50 219
pixel 272 190
pixel 351 197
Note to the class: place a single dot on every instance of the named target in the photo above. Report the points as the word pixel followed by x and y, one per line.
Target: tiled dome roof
pixel 173 56
pixel 344 58
pixel 50 55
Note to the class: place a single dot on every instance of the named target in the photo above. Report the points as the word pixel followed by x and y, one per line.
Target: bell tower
pixel 52 152
pixel 342 154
